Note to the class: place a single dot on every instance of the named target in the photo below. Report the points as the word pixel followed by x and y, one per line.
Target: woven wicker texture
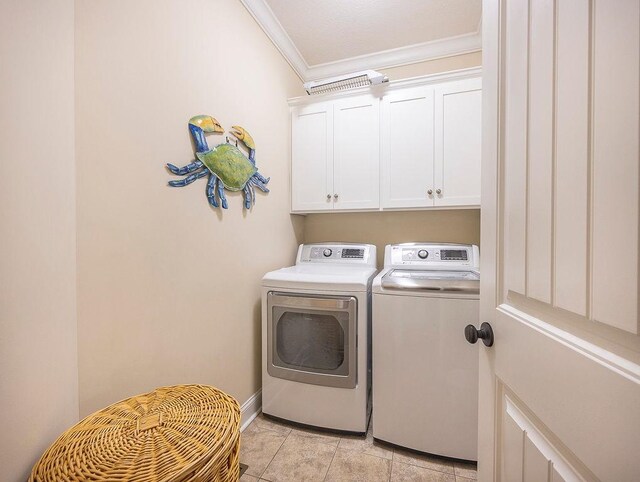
pixel 179 433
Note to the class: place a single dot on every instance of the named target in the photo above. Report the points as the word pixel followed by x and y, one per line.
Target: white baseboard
pixel 250 409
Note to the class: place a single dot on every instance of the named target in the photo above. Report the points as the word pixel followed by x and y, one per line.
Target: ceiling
pixel 332 37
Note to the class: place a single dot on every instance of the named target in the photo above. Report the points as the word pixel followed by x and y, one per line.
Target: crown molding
pixel 409 54
pixel 267 20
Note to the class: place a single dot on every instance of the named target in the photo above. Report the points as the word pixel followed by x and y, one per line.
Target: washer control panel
pixel 432 255
pixel 336 253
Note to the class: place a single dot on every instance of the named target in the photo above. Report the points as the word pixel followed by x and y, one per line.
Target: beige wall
pixel 168 288
pixel 38 362
pixel 382 228
pixel 445 64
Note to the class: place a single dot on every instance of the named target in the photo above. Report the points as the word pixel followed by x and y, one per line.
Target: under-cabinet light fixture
pixel 344 82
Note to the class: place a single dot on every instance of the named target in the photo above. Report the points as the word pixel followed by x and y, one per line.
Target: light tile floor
pixel 277 452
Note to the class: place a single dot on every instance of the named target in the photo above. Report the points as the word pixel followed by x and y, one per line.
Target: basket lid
pixel 170 433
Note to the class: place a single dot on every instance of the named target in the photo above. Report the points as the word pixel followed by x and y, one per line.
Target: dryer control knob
pixel 423 253
pixel 327 252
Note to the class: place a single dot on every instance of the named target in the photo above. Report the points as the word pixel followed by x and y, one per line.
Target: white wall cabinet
pixel 312 157
pixel 415 146
pixel 407 149
pixel 431 145
pixel 336 155
pixel 457 143
pixel 356 161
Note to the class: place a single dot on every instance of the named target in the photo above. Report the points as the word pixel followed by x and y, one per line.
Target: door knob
pixel 430 192
pixel 438 191
pixel 485 333
pixel 328 196
pixel 335 196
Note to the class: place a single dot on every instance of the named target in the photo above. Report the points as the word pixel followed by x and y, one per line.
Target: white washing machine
pixel 425 374
pixel 316 318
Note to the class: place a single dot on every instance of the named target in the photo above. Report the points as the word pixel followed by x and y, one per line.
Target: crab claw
pixel 206 123
pixel 244 136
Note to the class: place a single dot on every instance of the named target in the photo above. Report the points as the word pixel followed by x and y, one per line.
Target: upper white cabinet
pixel 457 143
pixel 407 148
pixel 336 155
pixel 312 155
pixel 431 145
pixel 416 145
pixel 356 161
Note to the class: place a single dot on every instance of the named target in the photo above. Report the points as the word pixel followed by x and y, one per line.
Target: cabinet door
pixel 407 148
pixel 357 153
pixel 458 143
pixel 312 157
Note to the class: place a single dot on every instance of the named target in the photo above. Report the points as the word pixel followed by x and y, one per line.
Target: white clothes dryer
pixel 316 318
pixel 425 374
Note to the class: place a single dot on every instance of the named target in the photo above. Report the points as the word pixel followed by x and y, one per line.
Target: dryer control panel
pixel 363 254
pixel 432 256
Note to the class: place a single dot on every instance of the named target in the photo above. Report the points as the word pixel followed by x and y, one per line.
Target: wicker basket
pixel 179 433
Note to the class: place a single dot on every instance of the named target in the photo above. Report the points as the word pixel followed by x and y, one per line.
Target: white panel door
pixel 559 395
pixel 458 128
pixel 615 163
pixel 407 148
pixel 357 153
pixel 312 157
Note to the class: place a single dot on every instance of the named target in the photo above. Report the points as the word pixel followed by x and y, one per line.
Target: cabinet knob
pixel 438 191
pixel 335 196
pixel 328 196
pixel 430 192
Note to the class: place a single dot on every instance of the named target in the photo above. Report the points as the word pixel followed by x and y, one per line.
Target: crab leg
pixel 260 177
pixel 258 183
pixel 189 179
pixel 181 171
pixel 212 183
pixel 247 197
pixel 223 198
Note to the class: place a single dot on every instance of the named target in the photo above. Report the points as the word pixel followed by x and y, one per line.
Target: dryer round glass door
pixel 312 339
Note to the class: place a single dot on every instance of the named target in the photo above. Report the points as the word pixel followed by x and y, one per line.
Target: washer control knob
pixel 327 252
pixel 423 253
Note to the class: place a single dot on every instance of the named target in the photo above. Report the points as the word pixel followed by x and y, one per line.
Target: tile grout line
pixel 274 455
pixel 320 441
pixel 331 463
pixel 428 468
pixel 393 459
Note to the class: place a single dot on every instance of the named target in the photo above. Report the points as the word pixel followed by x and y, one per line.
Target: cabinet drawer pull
pixel 430 192
pixel 335 196
pixel 328 196
pixel 438 191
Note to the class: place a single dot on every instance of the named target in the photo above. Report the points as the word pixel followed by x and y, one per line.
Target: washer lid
pixel 432 280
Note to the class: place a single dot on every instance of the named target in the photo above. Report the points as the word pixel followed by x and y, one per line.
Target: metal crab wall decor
pixel 225 164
